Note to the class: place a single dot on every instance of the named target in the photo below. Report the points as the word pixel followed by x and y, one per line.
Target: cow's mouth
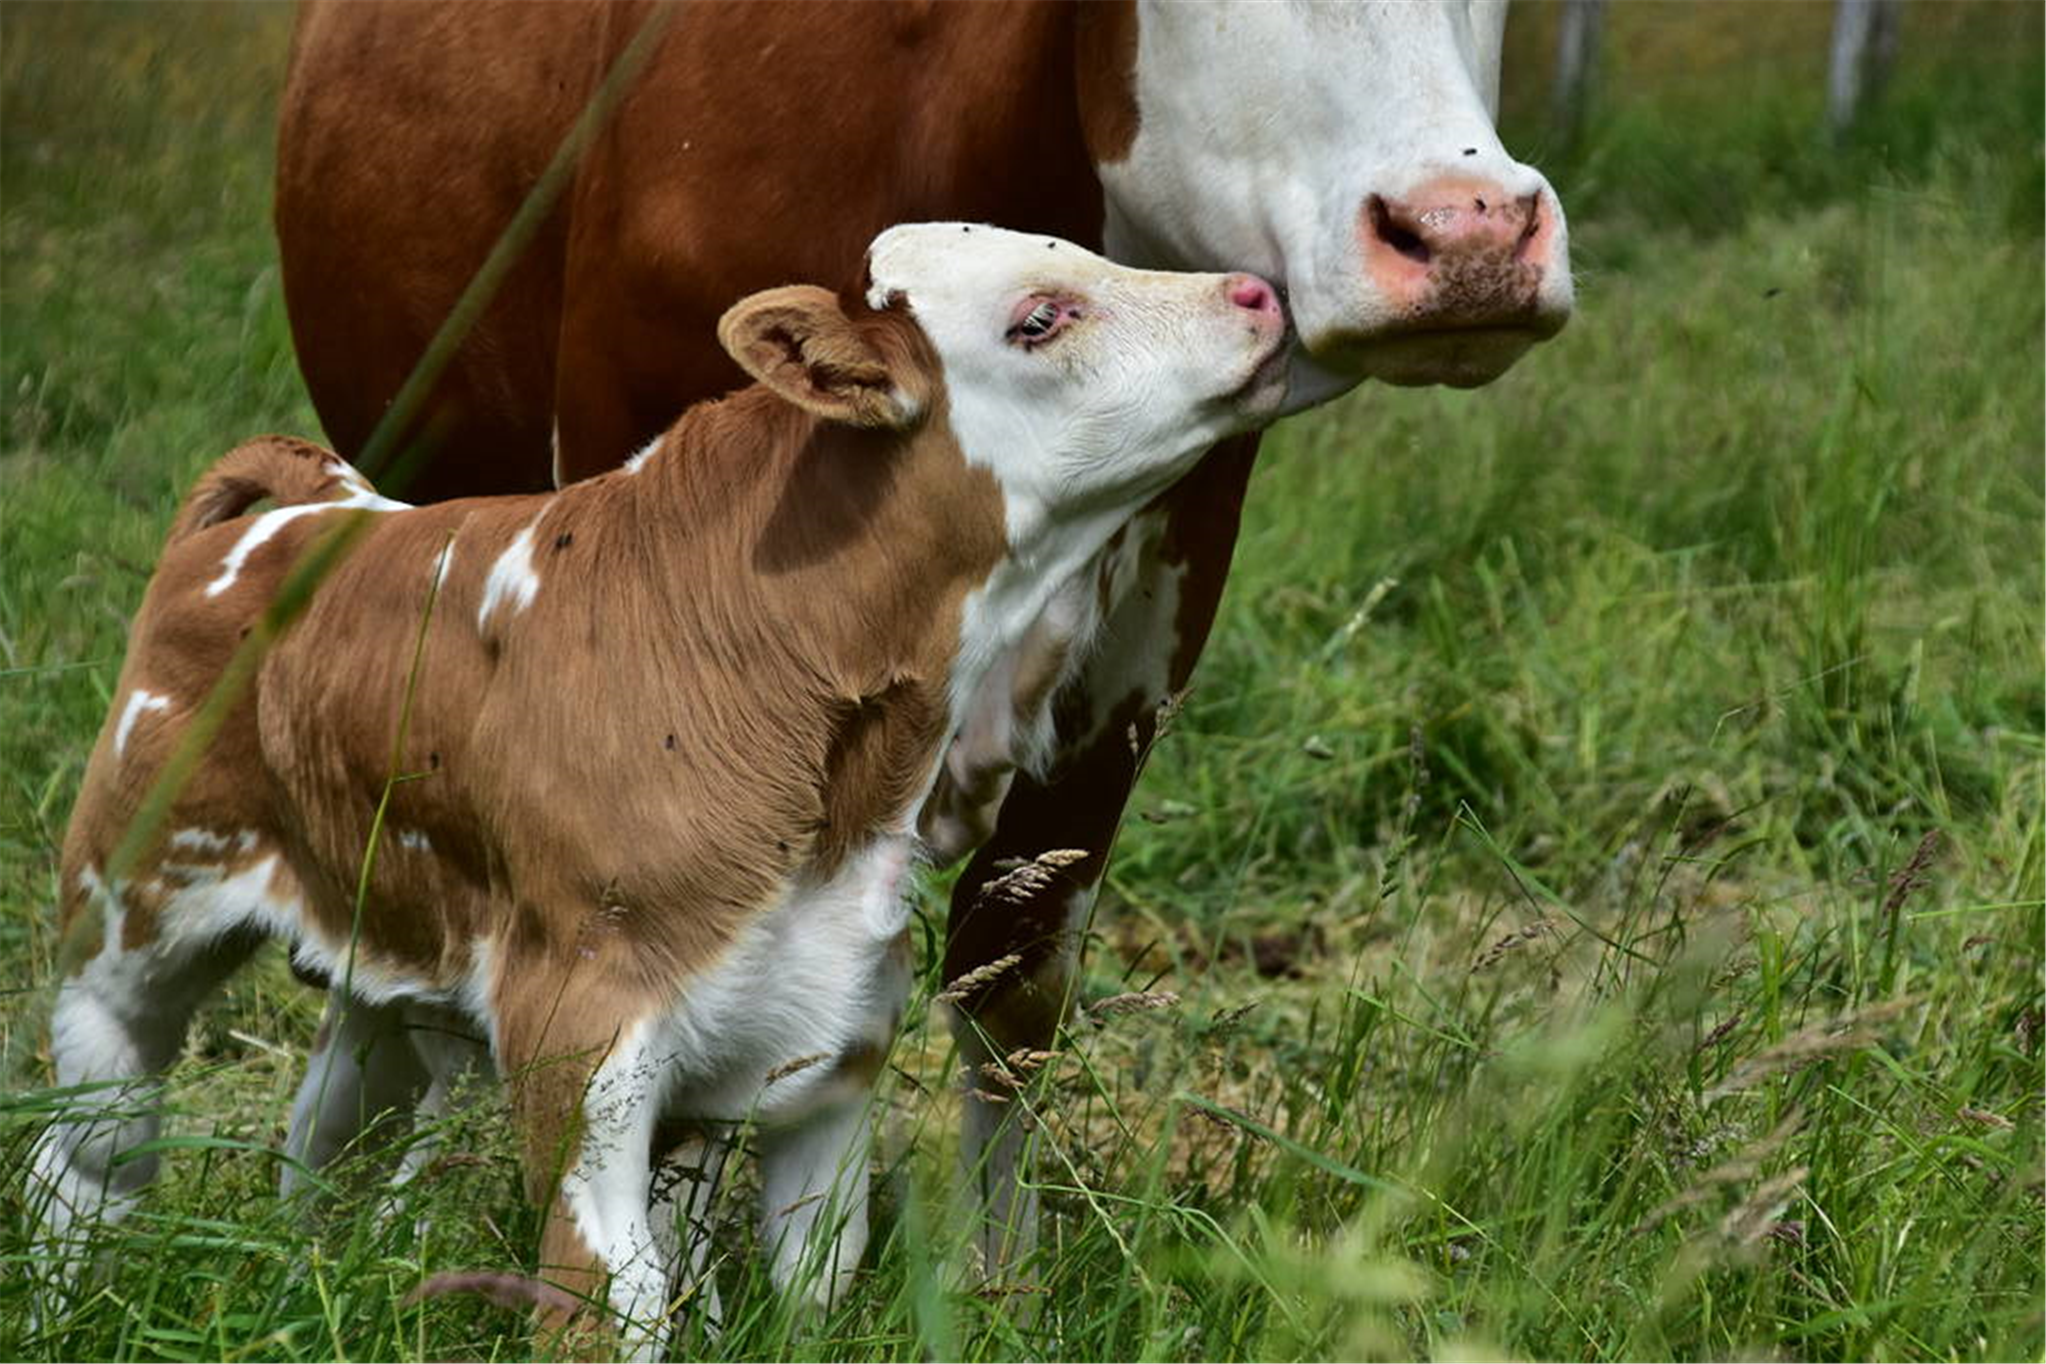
pixel 1459 354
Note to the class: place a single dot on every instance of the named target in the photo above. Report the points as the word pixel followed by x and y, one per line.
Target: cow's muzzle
pixel 1460 275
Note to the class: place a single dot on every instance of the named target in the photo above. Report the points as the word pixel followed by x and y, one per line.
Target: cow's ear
pixel 799 342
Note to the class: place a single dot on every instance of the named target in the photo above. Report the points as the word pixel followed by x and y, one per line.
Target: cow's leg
pixel 119 1022
pixel 363 1069
pixel 1106 716
pixel 813 1199
pixel 685 1187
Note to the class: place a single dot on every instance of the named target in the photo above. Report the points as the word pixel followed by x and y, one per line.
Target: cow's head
pixel 1345 150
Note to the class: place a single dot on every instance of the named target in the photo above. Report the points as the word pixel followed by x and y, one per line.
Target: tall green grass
pixel 1589 906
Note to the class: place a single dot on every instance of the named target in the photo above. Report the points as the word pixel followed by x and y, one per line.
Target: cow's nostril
pixel 1396 234
pixel 1533 209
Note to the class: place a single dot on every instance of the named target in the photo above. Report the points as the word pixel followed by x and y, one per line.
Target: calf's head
pixel 1079 383
pixel 1345 151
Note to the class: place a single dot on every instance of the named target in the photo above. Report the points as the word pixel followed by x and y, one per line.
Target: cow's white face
pixel 1346 151
pixel 1083 385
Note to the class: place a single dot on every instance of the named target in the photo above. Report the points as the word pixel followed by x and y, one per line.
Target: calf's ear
pixel 799 342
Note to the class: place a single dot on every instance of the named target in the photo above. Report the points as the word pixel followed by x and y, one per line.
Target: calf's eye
pixel 1039 322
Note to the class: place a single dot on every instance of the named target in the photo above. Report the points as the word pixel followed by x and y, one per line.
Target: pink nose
pixel 1253 294
pixel 1457 245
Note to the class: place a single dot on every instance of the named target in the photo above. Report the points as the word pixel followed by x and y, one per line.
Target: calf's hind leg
pixel 118 1024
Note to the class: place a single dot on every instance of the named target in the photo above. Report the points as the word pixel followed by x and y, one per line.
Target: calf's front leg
pixel 585 1092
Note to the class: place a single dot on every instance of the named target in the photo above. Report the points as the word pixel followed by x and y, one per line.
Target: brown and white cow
pixel 663 747
pixel 1345 151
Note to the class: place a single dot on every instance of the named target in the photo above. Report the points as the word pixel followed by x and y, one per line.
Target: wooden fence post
pixel 1577 37
pixel 1864 45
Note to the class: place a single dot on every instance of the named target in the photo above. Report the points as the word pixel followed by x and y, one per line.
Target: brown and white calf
pixel 665 743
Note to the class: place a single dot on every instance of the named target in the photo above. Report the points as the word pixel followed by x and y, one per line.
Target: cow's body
pixel 646 754
pixel 1344 151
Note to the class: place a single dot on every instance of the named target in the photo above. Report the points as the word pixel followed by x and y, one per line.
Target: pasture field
pixel 1590 905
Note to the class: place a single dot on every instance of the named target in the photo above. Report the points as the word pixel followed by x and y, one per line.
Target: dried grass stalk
pixel 502 1289
pixel 1807 1046
pixel 977 977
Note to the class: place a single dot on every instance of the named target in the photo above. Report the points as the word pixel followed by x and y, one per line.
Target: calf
pixel 664 738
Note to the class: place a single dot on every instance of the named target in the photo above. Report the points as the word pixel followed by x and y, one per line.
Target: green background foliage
pixel 1525 863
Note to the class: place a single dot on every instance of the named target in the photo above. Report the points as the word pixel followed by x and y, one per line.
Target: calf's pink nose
pixel 1251 293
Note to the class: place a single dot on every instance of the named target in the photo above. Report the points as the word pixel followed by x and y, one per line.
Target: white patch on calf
pixel 478 987
pixel 214 902
pixel 361 497
pixel 200 841
pixel 414 840
pixel 348 474
pixel 138 702
pixel 356 969
pixel 818 975
pixel 206 841
pixel 606 1185
pixel 644 453
pixel 512 578
pixel 997 735
pixel 1134 653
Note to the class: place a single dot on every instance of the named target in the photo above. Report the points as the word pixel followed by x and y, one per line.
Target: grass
pixel 1598 872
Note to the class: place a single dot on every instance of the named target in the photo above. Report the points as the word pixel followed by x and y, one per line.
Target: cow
pixel 1344 151
pixel 664 736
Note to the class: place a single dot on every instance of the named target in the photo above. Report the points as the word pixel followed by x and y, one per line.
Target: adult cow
pixel 1344 150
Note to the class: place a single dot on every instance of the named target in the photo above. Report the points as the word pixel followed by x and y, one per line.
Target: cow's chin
pixel 1461 358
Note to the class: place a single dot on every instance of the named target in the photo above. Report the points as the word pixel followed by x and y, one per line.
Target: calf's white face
pixel 1346 152
pixel 1079 382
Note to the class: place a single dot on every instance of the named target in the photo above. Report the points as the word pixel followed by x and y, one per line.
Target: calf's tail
pixel 282 468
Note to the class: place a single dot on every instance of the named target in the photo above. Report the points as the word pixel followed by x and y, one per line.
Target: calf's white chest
pixel 816 981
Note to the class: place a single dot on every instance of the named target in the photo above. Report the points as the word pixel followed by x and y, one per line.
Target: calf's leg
pixel 118 1024
pixel 585 1084
pixel 363 1068
pixel 449 1055
pixel 685 1186
pixel 813 1199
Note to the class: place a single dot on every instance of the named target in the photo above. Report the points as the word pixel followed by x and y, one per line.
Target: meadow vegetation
pixel 1589 906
